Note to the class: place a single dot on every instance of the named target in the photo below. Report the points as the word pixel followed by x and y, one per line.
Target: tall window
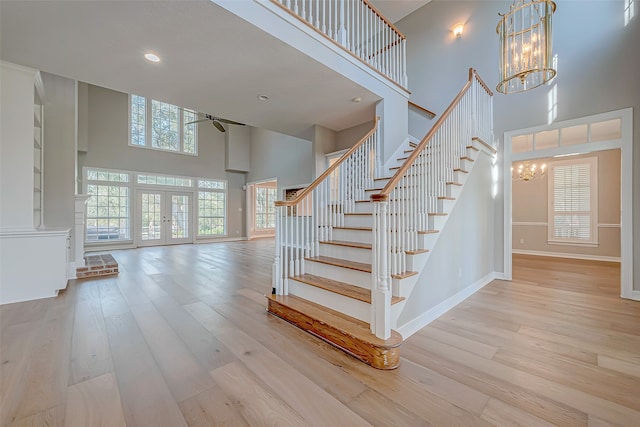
pixel 629 11
pixel 162 126
pixel 573 201
pixel 211 208
pixel 108 210
pixel 265 210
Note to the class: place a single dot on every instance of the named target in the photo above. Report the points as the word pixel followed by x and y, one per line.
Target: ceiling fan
pixel 216 121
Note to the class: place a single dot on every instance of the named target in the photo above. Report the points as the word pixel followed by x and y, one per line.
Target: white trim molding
pixel 567 255
pixel 529 223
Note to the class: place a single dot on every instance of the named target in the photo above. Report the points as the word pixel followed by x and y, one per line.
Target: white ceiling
pixel 212 60
pixel 395 10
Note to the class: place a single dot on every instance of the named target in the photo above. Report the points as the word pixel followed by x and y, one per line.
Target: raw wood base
pixel 350 335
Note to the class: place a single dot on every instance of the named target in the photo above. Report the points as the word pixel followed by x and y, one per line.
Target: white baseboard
pixel 71 270
pixel 566 255
pixel 221 240
pixel 432 314
pixel 635 295
pixel 501 276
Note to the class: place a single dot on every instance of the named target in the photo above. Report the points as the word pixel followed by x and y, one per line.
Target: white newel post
pixel 381 324
pixel 80 215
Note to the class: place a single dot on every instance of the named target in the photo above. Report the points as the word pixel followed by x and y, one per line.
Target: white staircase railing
pixel 358 27
pixel 308 219
pixel 402 208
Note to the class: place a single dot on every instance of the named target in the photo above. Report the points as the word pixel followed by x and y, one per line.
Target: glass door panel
pixel 180 221
pixel 164 218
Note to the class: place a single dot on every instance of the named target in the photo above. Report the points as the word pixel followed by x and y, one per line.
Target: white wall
pixel 16 146
pixel 59 153
pixel 596 70
pixel 463 253
pixel 108 147
pixel 348 137
pixel 324 142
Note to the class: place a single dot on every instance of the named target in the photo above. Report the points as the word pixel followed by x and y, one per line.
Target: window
pixel 211 208
pixel 265 210
pixel 573 201
pixel 108 206
pixel 168 180
pixel 162 126
pixel 629 11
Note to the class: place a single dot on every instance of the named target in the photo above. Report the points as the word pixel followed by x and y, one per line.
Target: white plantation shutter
pixel 573 201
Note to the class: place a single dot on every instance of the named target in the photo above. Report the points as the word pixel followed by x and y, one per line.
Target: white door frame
pixel 625 144
pixel 166 206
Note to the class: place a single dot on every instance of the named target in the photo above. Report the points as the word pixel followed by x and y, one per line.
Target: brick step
pixel 344 332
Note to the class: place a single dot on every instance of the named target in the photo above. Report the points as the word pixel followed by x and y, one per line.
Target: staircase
pixel 351 247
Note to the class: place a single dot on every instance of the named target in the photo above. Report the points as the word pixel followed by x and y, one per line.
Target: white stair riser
pixel 415 262
pixel 466 164
pixel 362 207
pixel 341 274
pixel 459 176
pixel 427 241
pixel 346 252
pixel 349 235
pixel 454 190
pixel 358 220
pixel 436 222
pixel 349 306
pixel 445 206
pixel 403 287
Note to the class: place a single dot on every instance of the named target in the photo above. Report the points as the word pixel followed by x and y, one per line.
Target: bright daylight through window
pixel 211 208
pixel 162 126
pixel 265 210
pixel 108 206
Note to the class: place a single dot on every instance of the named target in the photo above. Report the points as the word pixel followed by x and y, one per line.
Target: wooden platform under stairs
pixel 347 333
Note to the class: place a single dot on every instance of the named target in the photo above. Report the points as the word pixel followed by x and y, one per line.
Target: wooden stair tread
pixel 383 178
pixel 437 214
pixel 467 158
pixel 487 146
pixel 446 198
pixel 347 244
pixel 352 265
pixel 358 213
pixel 404 275
pixel 409 151
pixel 460 170
pixel 471 147
pixel 428 231
pixel 346 333
pixel 417 251
pixel 353 228
pixel 341 288
pixel 453 183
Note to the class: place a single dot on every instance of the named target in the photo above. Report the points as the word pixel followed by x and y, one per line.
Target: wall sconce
pixel 457 29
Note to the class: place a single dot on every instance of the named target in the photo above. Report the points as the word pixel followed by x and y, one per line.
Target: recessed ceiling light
pixel 152 57
pixel 263 97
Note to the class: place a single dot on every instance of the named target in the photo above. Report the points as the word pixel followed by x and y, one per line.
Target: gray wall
pixel 597 70
pixel 108 147
pixel 59 153
pixel 287 158
pixel 530 205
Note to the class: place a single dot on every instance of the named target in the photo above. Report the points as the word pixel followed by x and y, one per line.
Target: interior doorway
pixel 163 218
pixel 607 131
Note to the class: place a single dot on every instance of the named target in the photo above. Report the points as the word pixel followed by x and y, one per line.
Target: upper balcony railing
pixel 359 28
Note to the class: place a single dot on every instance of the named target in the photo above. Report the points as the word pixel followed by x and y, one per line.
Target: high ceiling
pixel 395 10
pixel 212 60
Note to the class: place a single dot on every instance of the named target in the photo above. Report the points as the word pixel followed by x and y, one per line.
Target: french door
pixel 163 217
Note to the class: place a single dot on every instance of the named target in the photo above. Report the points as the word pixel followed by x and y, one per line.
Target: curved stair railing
pixel 309 218
pixel 402 208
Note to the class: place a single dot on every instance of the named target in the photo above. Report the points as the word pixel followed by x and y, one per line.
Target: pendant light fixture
pixel 525 46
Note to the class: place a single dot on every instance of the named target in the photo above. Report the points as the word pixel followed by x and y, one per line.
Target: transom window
pixel 162 126
pixel 573 201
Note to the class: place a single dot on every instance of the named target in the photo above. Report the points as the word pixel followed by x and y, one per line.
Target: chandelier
pixel 525 46
pixel 528 172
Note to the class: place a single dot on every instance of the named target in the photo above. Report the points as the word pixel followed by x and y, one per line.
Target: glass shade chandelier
pixel 525 46
pixel 528 172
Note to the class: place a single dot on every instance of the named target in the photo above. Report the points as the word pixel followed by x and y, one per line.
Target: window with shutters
pixel 573 201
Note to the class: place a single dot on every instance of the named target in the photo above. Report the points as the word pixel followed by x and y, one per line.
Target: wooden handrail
pixel 384 194
pixel 421 108
pixel 329 170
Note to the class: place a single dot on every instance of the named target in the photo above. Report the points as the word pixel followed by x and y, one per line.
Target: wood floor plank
pixel 258 405
pixel 502 414
pixel 305 397
pixel 181 371
pixel 212 408
pixel 90 353
pixel 146 399
pixel 555 345
pixel 94 402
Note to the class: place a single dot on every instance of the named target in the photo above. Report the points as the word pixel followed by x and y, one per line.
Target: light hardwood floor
pixel 181 337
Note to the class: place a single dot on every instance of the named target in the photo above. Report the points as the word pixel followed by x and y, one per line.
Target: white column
pixel 80 217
